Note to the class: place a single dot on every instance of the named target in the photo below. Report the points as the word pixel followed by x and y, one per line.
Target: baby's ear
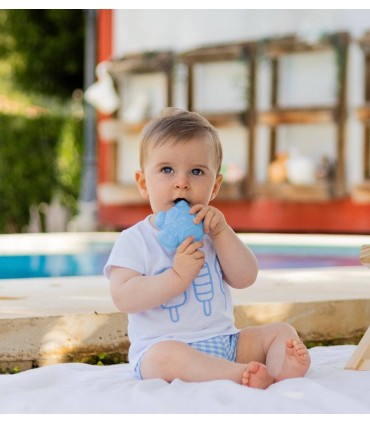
pixel 141 183
pixel 216 186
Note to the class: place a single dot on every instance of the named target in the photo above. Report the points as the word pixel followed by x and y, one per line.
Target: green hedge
pixel 39 157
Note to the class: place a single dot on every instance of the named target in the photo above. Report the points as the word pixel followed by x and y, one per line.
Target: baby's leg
pixel 171 360
pixel 278 346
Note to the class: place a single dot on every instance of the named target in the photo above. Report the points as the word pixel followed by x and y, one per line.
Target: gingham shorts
pixel 223 346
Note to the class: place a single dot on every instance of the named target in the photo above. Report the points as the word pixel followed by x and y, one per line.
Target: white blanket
pixel 82 388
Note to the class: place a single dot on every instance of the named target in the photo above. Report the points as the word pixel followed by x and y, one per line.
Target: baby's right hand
pixel 188 260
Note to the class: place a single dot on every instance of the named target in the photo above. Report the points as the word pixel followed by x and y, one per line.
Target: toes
pixel 253 367
pixel 293 343
pixel 301 349
pixel 290 343
pixel 245 381
pixel 296 344
pixel 300 346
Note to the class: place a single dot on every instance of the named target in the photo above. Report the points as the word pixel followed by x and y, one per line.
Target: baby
pixel 181 322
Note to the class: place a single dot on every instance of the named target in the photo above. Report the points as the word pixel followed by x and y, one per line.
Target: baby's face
pixel 177 170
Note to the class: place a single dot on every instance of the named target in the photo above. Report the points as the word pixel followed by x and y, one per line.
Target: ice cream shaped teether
pixel 177 224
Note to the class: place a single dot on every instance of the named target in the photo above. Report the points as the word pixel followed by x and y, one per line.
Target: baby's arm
pixel 133 292
pixel 239 264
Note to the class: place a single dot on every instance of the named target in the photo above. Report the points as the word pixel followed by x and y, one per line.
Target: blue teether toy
pixel 177 224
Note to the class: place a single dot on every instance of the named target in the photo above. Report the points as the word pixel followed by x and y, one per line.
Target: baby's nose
pixel 182 182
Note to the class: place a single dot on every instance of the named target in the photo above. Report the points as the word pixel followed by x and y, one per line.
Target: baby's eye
pixel 197 172
pixel 167 169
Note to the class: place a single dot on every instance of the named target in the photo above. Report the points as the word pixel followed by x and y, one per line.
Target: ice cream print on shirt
pixel 221 282
pixel 173 306
pixel 203 288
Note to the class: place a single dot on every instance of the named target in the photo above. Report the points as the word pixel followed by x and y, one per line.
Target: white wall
pixel 306 79
pixel 137 30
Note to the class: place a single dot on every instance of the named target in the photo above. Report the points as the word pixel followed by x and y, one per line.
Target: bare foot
pixel 257 376
pixel 296 361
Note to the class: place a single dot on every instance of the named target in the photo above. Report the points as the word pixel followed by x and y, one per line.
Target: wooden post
pixel 366 172
pixel 190 87
pixel 274 103
pixel 340 182
pixel 365 255
pixel 360 359
pixel 251 121
pixel 366 158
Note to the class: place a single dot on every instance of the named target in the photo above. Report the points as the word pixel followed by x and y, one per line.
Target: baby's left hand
pixel 214 221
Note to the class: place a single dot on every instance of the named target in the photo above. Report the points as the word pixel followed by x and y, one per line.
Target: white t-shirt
pixel 203 311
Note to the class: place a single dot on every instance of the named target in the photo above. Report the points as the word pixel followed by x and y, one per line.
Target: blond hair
pixel 176 125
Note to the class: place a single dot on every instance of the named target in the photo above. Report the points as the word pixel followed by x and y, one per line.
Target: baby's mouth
pixel 180 199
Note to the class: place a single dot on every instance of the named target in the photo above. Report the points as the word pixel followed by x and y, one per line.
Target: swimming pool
pixel 54 255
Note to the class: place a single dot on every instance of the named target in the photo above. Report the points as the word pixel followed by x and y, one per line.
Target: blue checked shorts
pixel 223 346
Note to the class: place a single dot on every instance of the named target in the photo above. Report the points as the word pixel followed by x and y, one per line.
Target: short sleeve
pixel 126 253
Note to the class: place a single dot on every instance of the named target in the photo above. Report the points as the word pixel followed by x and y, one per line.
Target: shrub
pixel 39 157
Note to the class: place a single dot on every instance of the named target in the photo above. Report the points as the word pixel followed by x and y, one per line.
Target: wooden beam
pixel 365 255
pixel 218 53
pixel 363 113
pixel 302 115
pixel 147 62
pixel 291 44
pixel 218 119
pixel 360 359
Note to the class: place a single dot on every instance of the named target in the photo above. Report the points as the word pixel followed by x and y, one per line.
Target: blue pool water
pixel 91 262
pixel 298 256
pixel 39 266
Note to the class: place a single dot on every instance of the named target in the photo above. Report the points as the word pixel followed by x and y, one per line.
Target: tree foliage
pixel 45 48
pixel 41 124
pixel 39 158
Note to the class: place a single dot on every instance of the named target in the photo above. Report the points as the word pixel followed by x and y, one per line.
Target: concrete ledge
pixel 57 320
pixel 314 321
pixel 39 341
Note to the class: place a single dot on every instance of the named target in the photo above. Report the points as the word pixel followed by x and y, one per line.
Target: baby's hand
pixel 188 260
pixel 214 221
